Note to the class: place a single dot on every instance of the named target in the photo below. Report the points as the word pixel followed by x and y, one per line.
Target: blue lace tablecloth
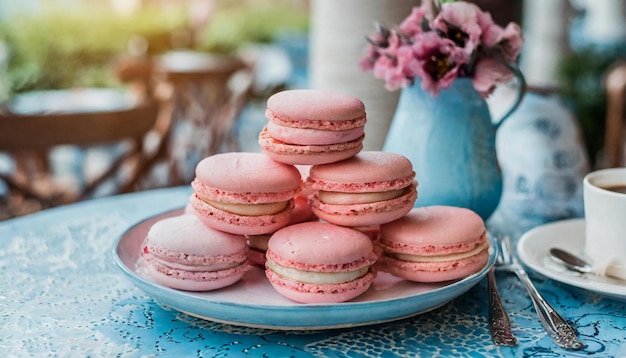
pixel 62 295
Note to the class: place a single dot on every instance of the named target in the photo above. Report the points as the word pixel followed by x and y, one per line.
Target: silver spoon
pixel 569 260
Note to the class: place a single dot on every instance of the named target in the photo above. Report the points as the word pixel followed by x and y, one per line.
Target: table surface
pixel 61 294
pixel 71 100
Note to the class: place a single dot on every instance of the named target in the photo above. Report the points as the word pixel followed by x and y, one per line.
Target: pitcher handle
pixel 521 91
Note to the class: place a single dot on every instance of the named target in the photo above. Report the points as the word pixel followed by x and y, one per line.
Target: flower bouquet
pixel 437 43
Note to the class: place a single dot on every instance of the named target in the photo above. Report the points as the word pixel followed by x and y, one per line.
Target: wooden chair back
pixel 29 139
pixel 615 130
pixel 41 132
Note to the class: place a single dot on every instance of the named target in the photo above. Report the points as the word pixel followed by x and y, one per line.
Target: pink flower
pixel 438 60
pixel 491 33
pixel 505 42
pixel 487 74
pixel 368 61
pixel 392 63
pixel 460 41
pixel 511 41
pixel 376 44
pixel 459 21
pixel 412 25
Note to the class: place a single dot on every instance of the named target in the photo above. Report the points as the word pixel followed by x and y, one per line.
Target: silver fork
pixel 498 319
pixel 558 329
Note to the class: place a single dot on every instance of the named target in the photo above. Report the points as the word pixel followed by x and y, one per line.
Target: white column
pixel 338 32
pixel 546 41
pixel 605 21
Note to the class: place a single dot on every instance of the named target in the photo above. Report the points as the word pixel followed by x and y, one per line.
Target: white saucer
pixel 533 250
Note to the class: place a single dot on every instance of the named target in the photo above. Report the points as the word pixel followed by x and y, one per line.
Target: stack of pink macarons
pixel 236 196
pixel 321 215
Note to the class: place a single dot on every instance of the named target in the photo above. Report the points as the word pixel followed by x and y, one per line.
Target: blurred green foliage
pixel 61 47
pixel 235 26
pixel 57 48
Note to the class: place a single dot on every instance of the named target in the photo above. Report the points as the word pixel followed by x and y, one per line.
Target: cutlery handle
pixel 498 319
pixel 559 330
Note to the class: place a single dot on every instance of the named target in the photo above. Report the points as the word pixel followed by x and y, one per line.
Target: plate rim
pixel 534 262
pixel 147 286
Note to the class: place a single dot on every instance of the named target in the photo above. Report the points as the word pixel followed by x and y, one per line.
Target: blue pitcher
pixel 450 139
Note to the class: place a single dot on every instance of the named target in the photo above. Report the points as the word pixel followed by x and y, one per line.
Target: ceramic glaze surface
pixel 450 139
pixel 543 163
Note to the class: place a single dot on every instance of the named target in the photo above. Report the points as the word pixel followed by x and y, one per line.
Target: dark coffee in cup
pixel 620 188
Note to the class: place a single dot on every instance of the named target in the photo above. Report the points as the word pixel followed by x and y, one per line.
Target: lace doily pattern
pixel 61 295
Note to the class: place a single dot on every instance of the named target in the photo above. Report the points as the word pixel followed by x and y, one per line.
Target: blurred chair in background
pixel 615 130
pixel 202 95
pixel 29 139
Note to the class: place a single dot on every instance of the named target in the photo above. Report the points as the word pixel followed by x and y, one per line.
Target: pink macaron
pixel 434 244
pixel 244 193
pixel 315 262
pixel 368 189
pixel 258 243
pixel 301 213
pixel 309 126
pixel 180 252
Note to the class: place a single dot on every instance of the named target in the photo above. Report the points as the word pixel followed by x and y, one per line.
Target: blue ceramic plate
pixel 253 302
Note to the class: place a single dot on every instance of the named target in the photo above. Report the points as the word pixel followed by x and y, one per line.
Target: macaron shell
pixel 304 173
pixel 302 211
pixel 312 108
pixel 246 178
pixel 180 252
pixel 321 247
pixel 368 171
pixel 367 214
pixel 257 245
pixel 434 230
pixel 303 136
pixel 244 197
pixel 434 272
pixel 256 257
pixel 314 293
pixel 307 154
pixel 194 281
pixel 187 235
pixel 239 224
pixel 184 243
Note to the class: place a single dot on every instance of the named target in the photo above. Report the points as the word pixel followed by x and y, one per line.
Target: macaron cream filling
pixel 248 209
pixel 338 198
pixel 440 258
pixel 319 278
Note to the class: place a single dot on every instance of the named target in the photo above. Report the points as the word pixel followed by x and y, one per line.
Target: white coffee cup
pixel 605 221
